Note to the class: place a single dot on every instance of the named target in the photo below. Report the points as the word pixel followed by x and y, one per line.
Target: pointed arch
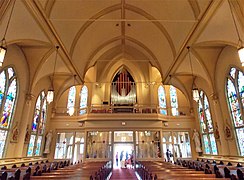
pixel 8 98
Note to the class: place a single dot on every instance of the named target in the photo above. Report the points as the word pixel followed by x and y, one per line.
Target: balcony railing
pixel 131 109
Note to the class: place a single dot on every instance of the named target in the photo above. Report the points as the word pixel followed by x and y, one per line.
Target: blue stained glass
pixel 31 145
pixel 8 94
pixel 38 125
pixel 206 124
pixel 206 144
pixel 83 99
pixel 213 144
pixel 234 103
pixel 235 94
pixel 9 105
pixel 162 100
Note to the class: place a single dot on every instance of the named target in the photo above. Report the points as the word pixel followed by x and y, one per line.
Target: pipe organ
pixel 123 90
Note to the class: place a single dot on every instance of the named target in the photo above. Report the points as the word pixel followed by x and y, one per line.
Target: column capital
pixel 29 97
pixel 214 96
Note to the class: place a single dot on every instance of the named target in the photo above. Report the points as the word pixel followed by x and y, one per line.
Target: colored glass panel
pixel 234 104
pixel 38 146
pixel 9 104
pixel 71 98
pixel 10 72
pixel 173 100
pixel 31 145
pixel 213 144
pixel 235 94
pixel 162 100
pixel 38 125
pixel 83 99
pixel 2 86
pixel 206 144
pixel 8 94
pixel 240 139
pixel 201 117
pixel 36 120
pixel 43 117
pixel 241 87
pixel 3 137
pixel 233 72
pixel 206 124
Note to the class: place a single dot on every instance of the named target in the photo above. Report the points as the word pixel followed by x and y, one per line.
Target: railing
pixel 131 109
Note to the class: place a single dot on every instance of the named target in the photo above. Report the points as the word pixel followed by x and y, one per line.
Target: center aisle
pixel 123 174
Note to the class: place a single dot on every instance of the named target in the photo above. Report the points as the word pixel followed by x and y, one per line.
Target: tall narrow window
pixel 8 94
pixel 235 93
pixel 71 100
pixel 162 100
pixel 83 99
pixel 38 126
pixel 206 125
pixel 173 100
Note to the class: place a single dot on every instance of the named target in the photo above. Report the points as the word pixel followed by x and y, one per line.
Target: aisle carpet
pixel 123 174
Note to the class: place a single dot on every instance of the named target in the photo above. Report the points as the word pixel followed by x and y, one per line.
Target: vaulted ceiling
pixel 92 31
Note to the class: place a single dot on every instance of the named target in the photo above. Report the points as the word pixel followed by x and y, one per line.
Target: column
pixel 217 116
pixel 25 121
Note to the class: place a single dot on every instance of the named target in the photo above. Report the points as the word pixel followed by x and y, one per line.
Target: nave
pixel 181 169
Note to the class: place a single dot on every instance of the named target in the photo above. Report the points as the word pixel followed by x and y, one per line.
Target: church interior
pixel 121 84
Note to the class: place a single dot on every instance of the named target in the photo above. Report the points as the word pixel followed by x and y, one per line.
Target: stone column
pixel 217 117
pixel 22 145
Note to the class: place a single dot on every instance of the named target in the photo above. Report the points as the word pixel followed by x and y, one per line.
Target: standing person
pixel 117 158
pixel 121 158
pixel 168 154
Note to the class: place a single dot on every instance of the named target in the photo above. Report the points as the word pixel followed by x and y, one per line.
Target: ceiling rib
pixel 49 30
pixel 196 31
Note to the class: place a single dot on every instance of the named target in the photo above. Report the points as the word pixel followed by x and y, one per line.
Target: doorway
pixel 123 149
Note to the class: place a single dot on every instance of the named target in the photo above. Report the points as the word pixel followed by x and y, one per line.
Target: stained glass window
pixel 83 99
pixel 8 95
pixel 206 125
pixel 235 93
pixel 173 101
pixel 71 99
pixel 162 100
pixel 38 126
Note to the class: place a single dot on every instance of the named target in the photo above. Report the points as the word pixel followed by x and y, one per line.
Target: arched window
pixel 162 100
pixel 235 93
pixel 38 126
pixel 8 96
pixel 173 101
pixel 71 100
pixel 206 125
pixel 83 99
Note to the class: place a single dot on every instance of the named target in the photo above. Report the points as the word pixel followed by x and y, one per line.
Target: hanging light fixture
pixel 195 93
pixel 71 110
pixel 50 93
pixel 240 46
pixel 3 44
